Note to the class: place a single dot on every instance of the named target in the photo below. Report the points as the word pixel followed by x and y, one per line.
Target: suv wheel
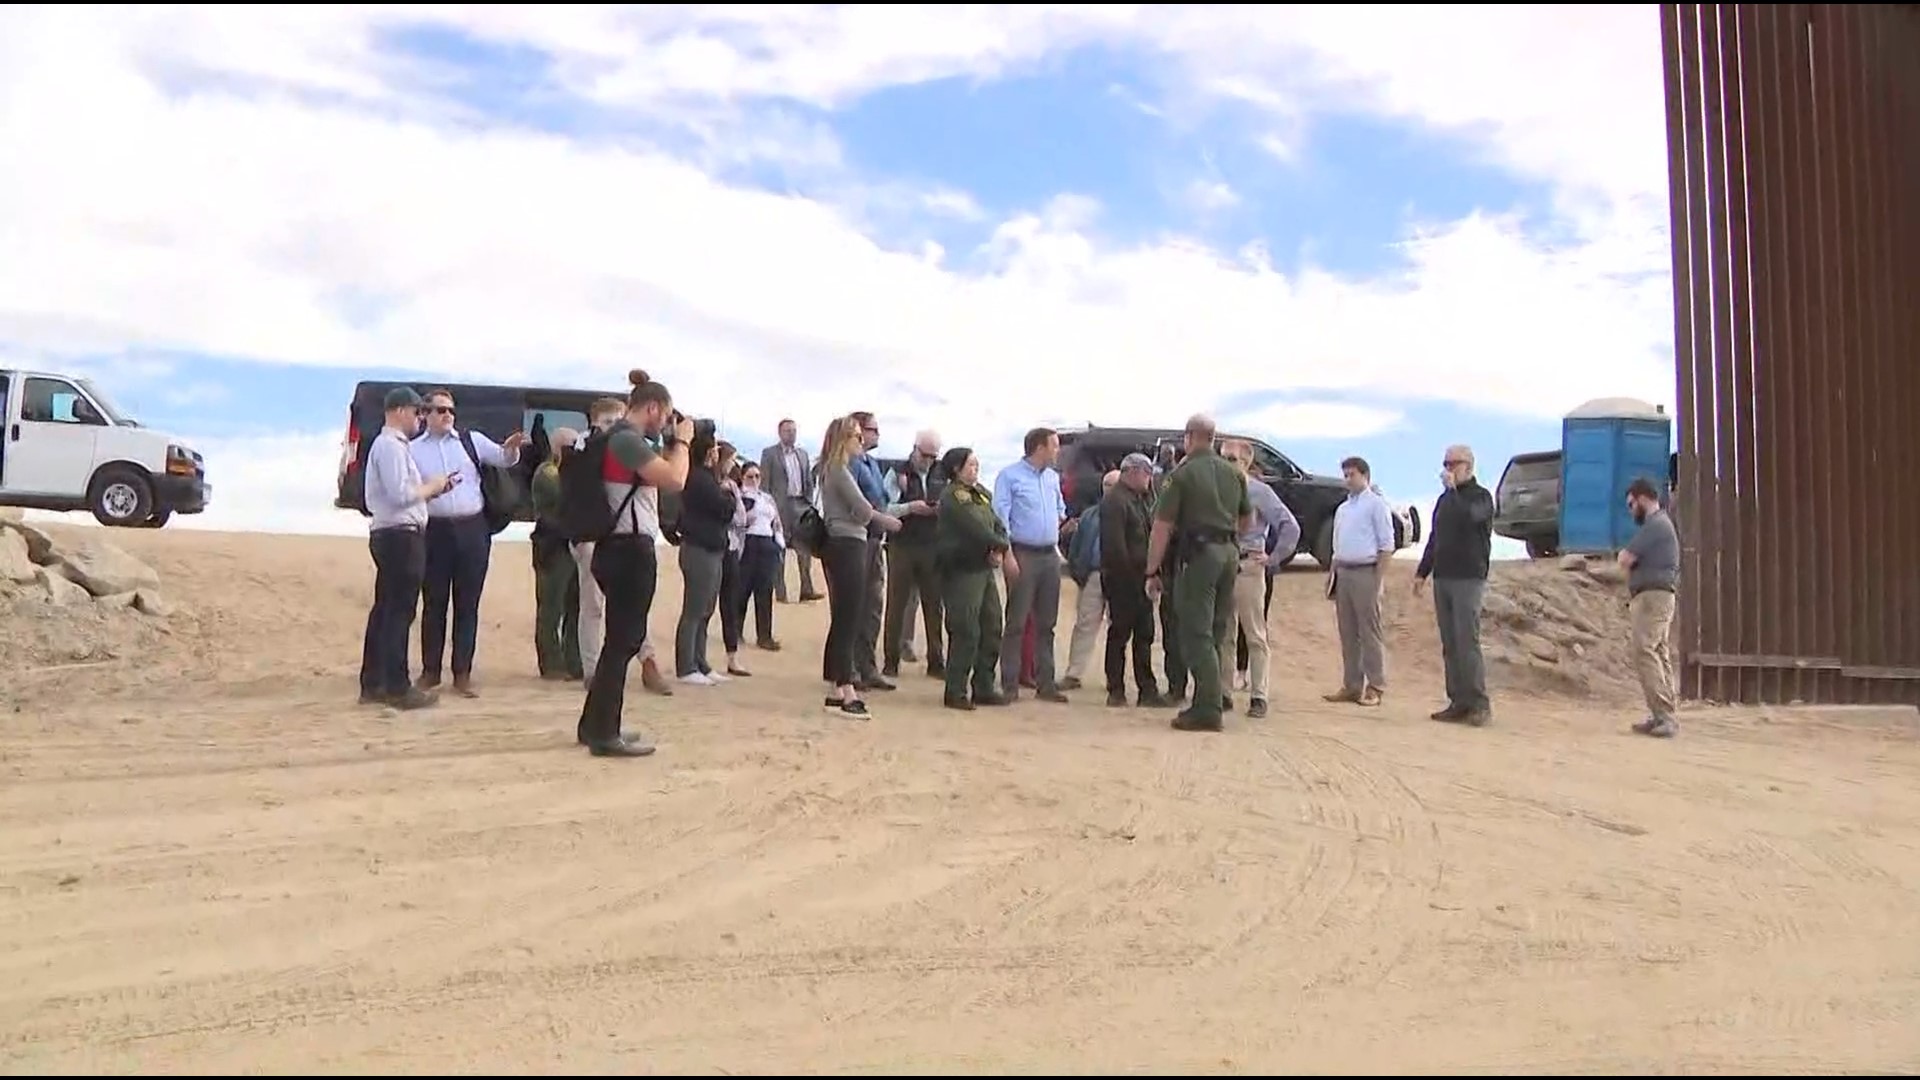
pixel 1542 549
pixel 1323 544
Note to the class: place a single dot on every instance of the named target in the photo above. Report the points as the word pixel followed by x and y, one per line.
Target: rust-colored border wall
pixel 1793 136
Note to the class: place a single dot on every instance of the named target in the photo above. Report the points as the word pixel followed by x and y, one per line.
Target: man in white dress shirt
pixel 459 541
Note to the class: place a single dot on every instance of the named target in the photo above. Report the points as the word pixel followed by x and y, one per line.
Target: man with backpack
pixel 610 497
pixel 1090 606
pixel 460 530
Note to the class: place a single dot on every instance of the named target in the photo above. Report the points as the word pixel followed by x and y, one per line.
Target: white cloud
pixel 1312 420
pixel 1207 196
pixel 141 217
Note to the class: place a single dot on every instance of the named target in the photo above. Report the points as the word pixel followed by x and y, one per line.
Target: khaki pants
pixel 1249 612
pixel 1651 614
pixel 593 612
pixel 1363 646
pixel 1089 609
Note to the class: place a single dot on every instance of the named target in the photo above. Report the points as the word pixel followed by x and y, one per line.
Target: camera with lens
pixel 704 430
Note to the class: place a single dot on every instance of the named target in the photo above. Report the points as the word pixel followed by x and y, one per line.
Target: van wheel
pixel 1541 549
pixel 121 497
pixel 1323 544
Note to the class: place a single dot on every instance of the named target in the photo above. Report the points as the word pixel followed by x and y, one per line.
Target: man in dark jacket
pixel 1126 522
pixel 1459 547
pixel 912 557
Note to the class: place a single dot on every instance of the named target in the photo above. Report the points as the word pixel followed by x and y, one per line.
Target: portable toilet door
pixel 1604 445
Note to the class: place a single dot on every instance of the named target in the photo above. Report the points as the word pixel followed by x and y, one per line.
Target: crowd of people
pixel 1191 547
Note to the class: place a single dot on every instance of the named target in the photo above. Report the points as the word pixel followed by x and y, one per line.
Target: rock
pixel 152 603
pixel 39 544
pixel 1541 649
pixel 10 514
pixel 15 564
pixel 117 600
pixel 104 569
pixel 1609 573
pixel 1573 562
pixel 60 591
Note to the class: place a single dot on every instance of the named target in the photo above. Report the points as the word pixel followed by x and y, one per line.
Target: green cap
pixel 402 397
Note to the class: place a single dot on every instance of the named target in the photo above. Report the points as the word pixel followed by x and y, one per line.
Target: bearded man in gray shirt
pixel 1652 562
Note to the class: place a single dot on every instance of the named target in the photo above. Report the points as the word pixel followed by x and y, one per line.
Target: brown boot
pixel 651 678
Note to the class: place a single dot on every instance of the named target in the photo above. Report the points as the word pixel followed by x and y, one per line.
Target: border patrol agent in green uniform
pixel 1204 506
pixel 971 543
pixel 556 581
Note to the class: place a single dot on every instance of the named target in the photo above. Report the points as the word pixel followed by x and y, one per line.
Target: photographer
pixel 625 475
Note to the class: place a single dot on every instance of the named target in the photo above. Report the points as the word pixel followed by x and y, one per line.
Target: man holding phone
pixel 396 498
pixel 459 540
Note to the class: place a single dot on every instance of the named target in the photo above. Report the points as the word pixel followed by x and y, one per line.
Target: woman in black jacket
pixel 706 517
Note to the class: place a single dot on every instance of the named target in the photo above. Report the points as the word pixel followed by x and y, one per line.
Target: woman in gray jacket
pixel 847 515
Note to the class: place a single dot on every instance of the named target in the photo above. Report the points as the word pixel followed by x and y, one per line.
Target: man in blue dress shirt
pixel 459 541
pixel 1026 496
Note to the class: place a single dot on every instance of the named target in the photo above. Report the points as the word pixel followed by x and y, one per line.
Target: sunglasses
pixel 441 410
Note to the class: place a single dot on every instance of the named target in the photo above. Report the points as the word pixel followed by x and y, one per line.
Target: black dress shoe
pixel 991 700
pixel 414 698
pixel 1055 695
pixel 876 683
pixel 960 703
pixel 1187 721
pixel 1257 709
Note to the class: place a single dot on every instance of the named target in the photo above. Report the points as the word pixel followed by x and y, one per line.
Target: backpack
pixel 1083 552
pixel 500 490
pixel 584 515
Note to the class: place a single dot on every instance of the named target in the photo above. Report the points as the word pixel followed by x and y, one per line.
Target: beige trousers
pixel 1651 614
pixel 1249 601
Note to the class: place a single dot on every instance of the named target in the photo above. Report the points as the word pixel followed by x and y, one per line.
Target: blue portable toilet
pixel 1604 445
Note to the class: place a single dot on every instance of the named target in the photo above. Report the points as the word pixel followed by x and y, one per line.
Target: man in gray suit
pixel 787 474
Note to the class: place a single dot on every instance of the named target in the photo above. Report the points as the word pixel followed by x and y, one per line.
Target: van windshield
pixel 114 413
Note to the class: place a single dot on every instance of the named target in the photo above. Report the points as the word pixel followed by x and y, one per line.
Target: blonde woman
pixel 847 513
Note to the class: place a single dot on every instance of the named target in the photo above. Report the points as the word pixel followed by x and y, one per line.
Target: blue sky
pixel 1341 237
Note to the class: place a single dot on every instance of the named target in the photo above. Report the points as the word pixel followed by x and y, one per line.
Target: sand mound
pixel 1559 626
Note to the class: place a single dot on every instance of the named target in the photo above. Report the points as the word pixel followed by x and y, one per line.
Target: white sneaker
pixel 716 677
pixel 694 678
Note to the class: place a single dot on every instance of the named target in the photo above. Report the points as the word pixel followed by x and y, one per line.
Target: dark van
pixel 494 411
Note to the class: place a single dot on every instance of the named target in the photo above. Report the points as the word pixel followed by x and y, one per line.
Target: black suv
pixel 1090 453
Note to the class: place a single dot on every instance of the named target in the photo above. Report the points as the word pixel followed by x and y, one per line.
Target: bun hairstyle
pixel 646 391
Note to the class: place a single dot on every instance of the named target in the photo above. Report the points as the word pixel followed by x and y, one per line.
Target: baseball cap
pixel 1137 461
pixel 402 397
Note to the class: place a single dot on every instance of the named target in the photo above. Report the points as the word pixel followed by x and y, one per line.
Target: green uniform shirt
pixel 546 488
pixel 1205 492
pixel 968 529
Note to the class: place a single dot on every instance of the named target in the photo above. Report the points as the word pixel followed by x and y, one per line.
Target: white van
pixel 66 446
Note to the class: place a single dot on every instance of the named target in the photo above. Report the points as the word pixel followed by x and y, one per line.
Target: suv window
pixel 1532 472
pixel 1268 463
pixel 55 401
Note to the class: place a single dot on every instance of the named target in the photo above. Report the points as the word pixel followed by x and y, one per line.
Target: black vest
pixel 917 530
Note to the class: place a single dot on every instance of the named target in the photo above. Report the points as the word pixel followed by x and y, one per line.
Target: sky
pixel 1347 230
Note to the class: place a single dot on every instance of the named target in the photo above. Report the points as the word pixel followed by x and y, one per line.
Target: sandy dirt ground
pixel 212 860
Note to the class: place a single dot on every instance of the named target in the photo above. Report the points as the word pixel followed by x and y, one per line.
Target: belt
pixel 405 527
pixel 453 519
pixel 1355 565
pixel 1033 547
